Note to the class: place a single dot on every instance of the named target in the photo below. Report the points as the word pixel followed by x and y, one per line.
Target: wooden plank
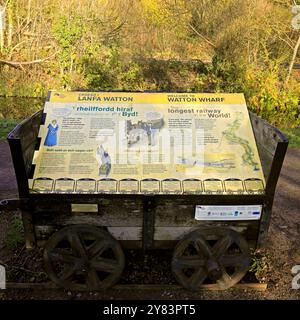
pixel 177 233
pixel 128 244
pixel 171 233
pixel 29 126
pixel 36 121
pixel 160 287
pixel 209 287
pixel 120 233
pixel 22 143
pixel 19 166
pixel 28 156
pixel 267 139
pixel 191 200
pixel 126 233
pixel 170 244
pixel 165 233
pixel 265 134
pixel 117 219
pixel 160 199
pixel 27 135
pixel 118 213
pixel 266 160
pixel 173 215
pixel 105 205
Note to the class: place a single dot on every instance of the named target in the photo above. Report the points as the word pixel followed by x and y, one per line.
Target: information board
pixel 149 143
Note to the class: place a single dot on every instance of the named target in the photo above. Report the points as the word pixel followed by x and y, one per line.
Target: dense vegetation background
pixel 173 45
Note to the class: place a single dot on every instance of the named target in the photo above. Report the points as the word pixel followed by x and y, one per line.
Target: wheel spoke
pixel 197 278
pixel 234 260
pixel 202 247
pixel 188 262
pixel 77 244
pixel 105 265
pixel 67 273
pixel 92 279
pixel 222 246
pixel 97 248
pixel 62 255
pixel 225 281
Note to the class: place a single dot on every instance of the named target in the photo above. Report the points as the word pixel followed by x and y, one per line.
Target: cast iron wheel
pixel 83 257
pixel 225 262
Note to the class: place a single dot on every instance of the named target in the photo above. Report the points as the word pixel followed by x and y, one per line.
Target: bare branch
pixel 201 36
pixel 21 64
pixel 15 47
pixel 286 41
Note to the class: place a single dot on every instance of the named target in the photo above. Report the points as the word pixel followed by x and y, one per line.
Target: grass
pixel 294 137
pixel 15 234
pixel 5 127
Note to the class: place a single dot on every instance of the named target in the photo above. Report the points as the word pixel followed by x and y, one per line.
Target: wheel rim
pixel 83 257
pixel 225 262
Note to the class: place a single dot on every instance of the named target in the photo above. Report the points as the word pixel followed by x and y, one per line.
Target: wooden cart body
pixel 140 221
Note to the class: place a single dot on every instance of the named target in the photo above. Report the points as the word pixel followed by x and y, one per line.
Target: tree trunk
pixel 10 24
pixel 293 60
pixel 2 23
pixel 28 11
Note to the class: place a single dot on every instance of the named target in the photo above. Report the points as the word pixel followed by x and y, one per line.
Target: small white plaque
pixel 221 213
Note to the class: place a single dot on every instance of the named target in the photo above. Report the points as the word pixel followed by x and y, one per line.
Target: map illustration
pixel 231 136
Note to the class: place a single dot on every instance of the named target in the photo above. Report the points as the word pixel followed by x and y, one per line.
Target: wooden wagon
pixel 85 233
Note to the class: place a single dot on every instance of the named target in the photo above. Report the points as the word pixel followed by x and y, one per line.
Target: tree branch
pixel 20 64
pixel 201 36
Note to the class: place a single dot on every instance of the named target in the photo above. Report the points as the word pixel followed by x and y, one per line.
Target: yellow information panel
pixel 149 143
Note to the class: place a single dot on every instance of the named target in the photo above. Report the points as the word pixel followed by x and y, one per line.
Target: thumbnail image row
pixel 147 186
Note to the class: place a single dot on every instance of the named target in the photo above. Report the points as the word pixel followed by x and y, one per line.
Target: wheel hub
pixel 84 265
pixel 212 265
pixel 213 269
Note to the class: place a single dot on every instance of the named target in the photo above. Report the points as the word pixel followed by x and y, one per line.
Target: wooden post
pixel 30 241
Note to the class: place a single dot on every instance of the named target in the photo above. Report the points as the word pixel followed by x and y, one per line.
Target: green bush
pixel 262 85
